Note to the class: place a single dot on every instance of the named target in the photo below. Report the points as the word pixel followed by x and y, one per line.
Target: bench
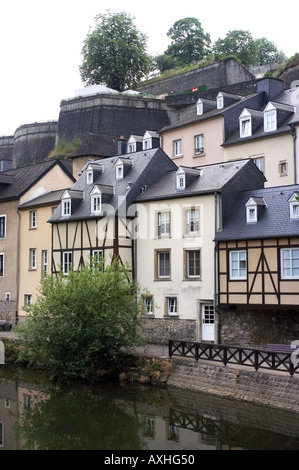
pixel 286 348
pixel 5 325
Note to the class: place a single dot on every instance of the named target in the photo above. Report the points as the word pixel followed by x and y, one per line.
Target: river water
pixel 34 414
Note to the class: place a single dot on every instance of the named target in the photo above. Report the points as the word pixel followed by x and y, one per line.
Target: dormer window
pixel 253 206
pixel 95 200
pixel 147 144
pixel 220 101
pixel 66 205
pixel 180 179
pixel 131 147
pixel 294 206
pixel 199 107
pixel 119 169
pixel 245 124
pixel 89 177
pixel 270 118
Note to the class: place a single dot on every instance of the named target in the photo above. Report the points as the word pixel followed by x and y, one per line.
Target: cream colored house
pixel 178 218
pixel 17 186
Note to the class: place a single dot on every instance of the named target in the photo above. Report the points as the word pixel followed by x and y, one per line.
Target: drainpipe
pixel 216 310
pixel 18 266
pixel 294 134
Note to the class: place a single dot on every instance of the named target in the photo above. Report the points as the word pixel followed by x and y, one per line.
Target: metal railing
pixel 257 358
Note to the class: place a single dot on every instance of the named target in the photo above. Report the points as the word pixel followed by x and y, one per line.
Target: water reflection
pixel 34 415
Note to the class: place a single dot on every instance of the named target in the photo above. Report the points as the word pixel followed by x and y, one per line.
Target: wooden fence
pixel 257 358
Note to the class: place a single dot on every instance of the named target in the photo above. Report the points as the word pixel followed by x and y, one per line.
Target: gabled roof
pixel 49 198
pixel 273 220
pixel 146 167
pixel 22 179
pixel 211 179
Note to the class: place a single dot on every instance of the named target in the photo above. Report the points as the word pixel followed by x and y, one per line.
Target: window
pixel 27 300
pixel 66 262
pixel 147 144
pixel 270 121
pixel 199 107
pixel 251 213
pixel 89 177
pixel 259 162
pixel 192 221
pixel 245 127
pixel 177 148
pixel 283 168
pixel 96 204
pixel 294 206
pixel 192 260
pixel 119 169
pixel 131 147
pixel 163 264
pixel 98 257
pixel 44 263
pixel 199 144
pixel 33 219
pixel 238 265
pixel 289 263
pixel 66 207
pixel 2 226
pixel 148 304
pixel 172 305
pixel 32 258
pixel 1 264
pixel 220 101
pixel 163 224
pixel 181 181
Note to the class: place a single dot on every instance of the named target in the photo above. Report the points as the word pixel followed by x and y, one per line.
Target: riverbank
pixel 153 366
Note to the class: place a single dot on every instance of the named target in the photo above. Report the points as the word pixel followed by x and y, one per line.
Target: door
pixel 208 323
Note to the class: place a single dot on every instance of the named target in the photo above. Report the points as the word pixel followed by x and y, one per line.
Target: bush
pixel 82 322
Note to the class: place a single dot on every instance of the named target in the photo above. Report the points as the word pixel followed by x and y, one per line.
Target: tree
pixel 238 43
pixel 267 52
pixel 83 322
pixel 190 44
pixel 114 53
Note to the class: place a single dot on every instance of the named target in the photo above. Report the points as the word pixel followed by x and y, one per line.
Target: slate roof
pixel 147 167
pixel 273 218
pixel 211 178
pixel 51 197
pixel 14 183
pixel 97 145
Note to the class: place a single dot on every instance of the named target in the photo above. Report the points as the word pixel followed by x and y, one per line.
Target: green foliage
pixel 64 149
pixel 291 62
pixel 114 53
pixel 82 322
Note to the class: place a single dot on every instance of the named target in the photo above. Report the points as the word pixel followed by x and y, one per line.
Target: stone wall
pixel 254 328
pixel 161 330
pixel 278 390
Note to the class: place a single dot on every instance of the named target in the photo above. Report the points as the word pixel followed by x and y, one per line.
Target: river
pixel 34 414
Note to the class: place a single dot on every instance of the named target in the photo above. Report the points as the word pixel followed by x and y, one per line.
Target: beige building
pixel 17 187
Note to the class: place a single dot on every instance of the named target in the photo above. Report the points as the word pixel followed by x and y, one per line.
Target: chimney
pixel 271 86
pixel 122 145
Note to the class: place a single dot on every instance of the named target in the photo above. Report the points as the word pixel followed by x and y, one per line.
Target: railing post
pixel 170 342
pixel 196 351
pixel 225 355
pixel 256 360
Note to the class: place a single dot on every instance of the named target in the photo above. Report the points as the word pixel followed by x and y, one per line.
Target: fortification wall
pixel 33 142
pixel 219 74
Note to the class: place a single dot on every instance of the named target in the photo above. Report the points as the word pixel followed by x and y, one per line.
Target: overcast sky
pixel 41 43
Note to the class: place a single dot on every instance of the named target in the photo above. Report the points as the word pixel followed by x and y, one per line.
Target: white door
pixel 208 323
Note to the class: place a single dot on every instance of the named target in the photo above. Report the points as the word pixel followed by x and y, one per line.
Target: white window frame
pixel 160 274
pixel 172 305
pixel 195 274
pixel 245 127
pixel 199 144
pixel 96 204
pixel 3 226
pixel 147 143
pixel 177 148
pixel 27 300
pixel 67 263
pixel 66 207
pixel 99 255
pixel 294 207
pixel 235 273
pixel 251 213
pixel 119 171
pixel 220 101
pixel 181 181
pixel 199 107
pixel 32 259
pixel 286 263
pixel 259 162
pixel 164 224
pixel 148 304
pixel 192 221
pixel 33 219
pixel 44 257
pixel 270 120
pixel 131 147
pixel 89 177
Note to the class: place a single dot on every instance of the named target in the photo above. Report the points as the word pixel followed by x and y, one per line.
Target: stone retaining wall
pixel 278 390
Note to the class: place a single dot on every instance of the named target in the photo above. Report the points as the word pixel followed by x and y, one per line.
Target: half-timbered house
pixel 258 268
